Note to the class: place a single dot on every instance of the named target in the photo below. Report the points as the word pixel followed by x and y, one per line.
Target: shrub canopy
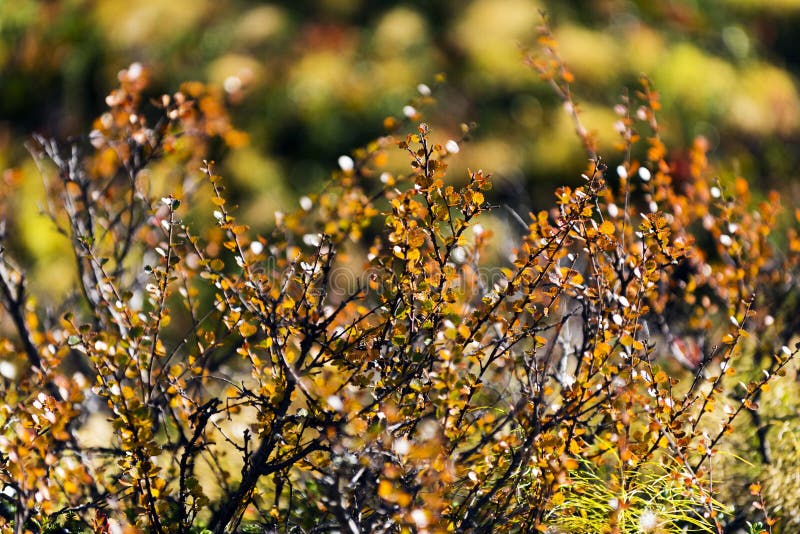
pixel 372 363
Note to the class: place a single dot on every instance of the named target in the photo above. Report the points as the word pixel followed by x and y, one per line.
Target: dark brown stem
pixel 14 303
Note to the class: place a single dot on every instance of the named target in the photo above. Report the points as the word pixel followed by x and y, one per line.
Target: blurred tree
pixel 307 80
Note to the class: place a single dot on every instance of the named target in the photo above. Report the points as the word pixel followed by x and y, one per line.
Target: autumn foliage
pixel 365 366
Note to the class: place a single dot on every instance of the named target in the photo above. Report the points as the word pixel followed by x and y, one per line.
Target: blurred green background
pixel 310 80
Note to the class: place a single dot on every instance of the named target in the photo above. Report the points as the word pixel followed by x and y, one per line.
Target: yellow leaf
pixel 385 489
pixel 602 350
pixel 607 228
pixel 416 237
pixel 463 331
pixel 403 498
pixel 70 487
pixel 247 330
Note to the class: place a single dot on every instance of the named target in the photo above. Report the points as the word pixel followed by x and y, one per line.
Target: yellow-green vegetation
pixel 650 498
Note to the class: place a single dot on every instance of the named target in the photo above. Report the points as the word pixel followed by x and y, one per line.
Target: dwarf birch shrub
pixel 588 383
